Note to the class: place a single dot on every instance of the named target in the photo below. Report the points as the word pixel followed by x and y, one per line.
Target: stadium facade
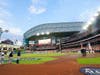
pixel 47 36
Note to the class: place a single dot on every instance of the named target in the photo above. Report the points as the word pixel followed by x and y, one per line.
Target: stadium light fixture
pixel 47 33
pixel 92 20
pixel 42 33
pixel 85 27
pixel 96 14
pixel 38 34
pixel 89 23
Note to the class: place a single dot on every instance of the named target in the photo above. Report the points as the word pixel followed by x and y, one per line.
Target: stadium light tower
pixel 1 32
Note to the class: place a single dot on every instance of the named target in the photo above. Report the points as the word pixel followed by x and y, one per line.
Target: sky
pixel 20 15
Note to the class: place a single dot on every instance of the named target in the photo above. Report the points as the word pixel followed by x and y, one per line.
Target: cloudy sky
pixel 20 15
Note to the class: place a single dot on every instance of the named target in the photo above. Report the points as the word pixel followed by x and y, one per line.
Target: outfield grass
pixel 89 60
pixel 43 58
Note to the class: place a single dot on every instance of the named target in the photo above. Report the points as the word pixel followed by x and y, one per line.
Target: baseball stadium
pixel 65 48
pixel 48 36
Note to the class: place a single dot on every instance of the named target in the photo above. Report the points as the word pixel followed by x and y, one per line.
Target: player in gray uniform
pixel 1 57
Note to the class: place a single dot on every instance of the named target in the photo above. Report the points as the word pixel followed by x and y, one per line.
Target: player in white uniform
pixel 1 57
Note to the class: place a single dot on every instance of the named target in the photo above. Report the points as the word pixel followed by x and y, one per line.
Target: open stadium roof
pixel 53 28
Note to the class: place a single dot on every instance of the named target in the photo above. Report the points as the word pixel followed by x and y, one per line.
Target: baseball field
pixel 50 64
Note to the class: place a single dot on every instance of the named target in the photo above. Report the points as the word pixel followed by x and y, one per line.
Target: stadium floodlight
pixel 47 33
pixel 85 27
pixel 96 14
pixel 92 20
pixel 89 23
pixel 42 33
pixel 38 34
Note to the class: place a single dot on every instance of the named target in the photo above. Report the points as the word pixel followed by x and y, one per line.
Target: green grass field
pixel 89 60
pixel 28 58
pixel 41 55
pixel 39 60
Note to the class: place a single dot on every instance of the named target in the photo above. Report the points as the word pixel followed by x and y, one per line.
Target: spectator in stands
pixel 18 56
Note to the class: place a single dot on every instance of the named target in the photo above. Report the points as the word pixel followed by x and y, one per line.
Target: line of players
pixel 9 55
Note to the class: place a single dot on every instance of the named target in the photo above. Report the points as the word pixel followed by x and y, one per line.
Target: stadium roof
pixel 54 28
